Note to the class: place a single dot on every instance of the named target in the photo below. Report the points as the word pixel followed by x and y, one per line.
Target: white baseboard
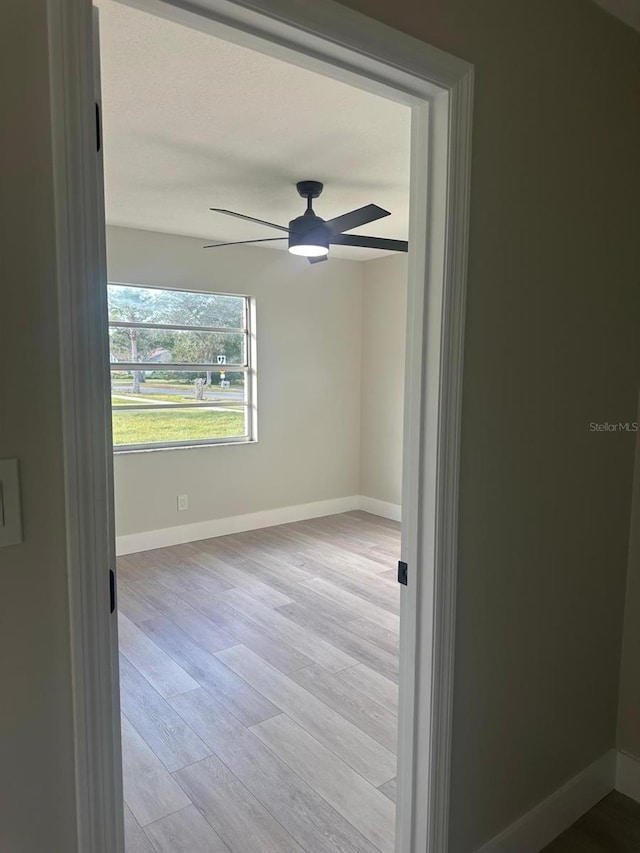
pixel 538 827
pixel 628 775
pixel 382 508
pixel 149 539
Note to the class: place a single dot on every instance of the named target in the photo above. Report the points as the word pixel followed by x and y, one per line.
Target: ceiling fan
pixel 311 236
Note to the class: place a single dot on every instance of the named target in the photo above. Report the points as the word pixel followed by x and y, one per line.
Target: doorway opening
pixel 437 87
pixel 257 410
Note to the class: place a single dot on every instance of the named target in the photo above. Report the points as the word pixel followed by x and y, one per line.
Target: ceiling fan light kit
pixel 307 249
pixel 310 236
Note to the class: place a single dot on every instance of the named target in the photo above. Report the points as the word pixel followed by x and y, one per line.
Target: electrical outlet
pixel 183 502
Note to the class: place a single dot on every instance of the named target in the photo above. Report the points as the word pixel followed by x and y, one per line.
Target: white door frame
pixel 323 36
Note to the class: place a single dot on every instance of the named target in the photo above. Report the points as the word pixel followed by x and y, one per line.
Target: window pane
pixel 162 387
pixel 178 425
pixel 174 307
pixel 168 346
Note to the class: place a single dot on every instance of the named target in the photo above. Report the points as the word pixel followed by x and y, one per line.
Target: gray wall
pixel 384 310
pixel 331 351
pixel 551 345
pixel 36 752
pixel 308 339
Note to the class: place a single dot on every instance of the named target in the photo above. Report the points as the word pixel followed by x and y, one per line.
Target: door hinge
pixel 112 591
pixel 402 572
pixel 98 128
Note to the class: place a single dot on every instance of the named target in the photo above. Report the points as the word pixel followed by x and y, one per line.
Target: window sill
pixel 126 450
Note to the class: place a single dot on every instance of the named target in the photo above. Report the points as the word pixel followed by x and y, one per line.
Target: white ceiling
pixel 193 122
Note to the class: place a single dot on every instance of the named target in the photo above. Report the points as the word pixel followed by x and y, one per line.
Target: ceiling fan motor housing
pixel 309 230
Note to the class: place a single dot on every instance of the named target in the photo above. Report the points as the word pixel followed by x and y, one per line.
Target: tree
pixel 130 305
pixel 188 345
pixel 205 309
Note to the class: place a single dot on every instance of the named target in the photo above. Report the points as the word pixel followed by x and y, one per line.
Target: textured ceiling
pixel 192 122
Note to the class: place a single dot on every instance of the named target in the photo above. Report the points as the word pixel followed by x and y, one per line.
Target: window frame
pixel 249 404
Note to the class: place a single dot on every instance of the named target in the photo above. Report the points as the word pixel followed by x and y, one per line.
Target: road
pixel 228 396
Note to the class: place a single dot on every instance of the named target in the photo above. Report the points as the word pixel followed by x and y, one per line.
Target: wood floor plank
pixel 135 840
pixel 331 531
pixel 391 575
pixel 317 650
pixel 319 604
pixel 185 831
pixel 358 606
pixel 275 551
pixel 333 554
pixel 351 539
pixel 356 799
pixel 375 633
pixel 286 591
pixel 371 589
pixel 253 562
pixel 127 567
pixel 345 639
pixel 301 810
pixel 358 749
pixel 389 789
pixel 133 605
pixel 378 521
pixel 232 572
pixel 363 712
pixel 372 684
pixel 297 623
pixel 240 820
pixel 170 738
pixel 268 645
pixel 380 525
pixel 248 705
pixel 150 790
pixel 203 630
pixel 368 587
pixel 177 573
pixel 255 546
pixel 384 543
pixel 309 554
pixel 160 670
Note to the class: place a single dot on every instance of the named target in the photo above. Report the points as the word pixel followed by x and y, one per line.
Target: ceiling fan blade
pixel 370 242
pixel 249 218
pixel 318 259
pixel 240 242
pixel 356 218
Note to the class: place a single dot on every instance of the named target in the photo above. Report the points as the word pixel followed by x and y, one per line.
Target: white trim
pixel 148 540
pixel 545 821
pixel 381 508
pixel 338 42
pixel 87 457
pixel 538 827
pixel 628 775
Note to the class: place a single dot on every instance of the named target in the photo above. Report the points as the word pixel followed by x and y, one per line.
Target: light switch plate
pixel 10 515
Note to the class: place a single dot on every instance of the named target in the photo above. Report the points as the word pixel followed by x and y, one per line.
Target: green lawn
pixel 175 425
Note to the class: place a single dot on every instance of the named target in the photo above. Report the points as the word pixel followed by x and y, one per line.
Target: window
pixel 181 367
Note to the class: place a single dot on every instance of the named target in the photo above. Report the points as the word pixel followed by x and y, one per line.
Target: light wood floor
pixel 612 826
pixel 259 690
